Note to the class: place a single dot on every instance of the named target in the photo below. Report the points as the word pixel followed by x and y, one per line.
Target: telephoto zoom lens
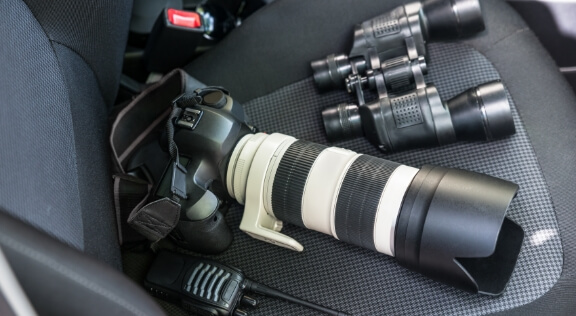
pixel 448 224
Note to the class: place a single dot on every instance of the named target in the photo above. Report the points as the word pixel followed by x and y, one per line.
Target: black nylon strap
pixel 130 193
pixel 172 148
pixel 178 187
pixel 156 219
pixel 136 220
pixel 131 126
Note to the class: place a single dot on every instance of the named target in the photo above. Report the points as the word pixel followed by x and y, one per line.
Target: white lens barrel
pixel 322 187
pixel 240 164
pixel 389 208
pixel 353 197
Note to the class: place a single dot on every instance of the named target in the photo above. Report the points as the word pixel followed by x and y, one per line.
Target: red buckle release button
pixel 184 18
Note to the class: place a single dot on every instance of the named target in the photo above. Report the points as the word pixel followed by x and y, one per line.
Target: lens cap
pixel 216 99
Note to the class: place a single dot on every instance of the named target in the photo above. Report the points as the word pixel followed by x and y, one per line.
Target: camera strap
pixel 131 128
pixel 178 185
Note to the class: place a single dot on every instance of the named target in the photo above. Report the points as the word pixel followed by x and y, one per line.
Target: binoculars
pixel 389 56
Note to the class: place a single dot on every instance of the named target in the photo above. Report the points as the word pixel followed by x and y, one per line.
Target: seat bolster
pixel 60 280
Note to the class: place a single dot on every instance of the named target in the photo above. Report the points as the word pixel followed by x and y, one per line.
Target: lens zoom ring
pixel 358 200
pixel 290 179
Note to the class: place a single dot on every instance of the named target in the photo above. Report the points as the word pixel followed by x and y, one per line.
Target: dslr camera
pixel 448 224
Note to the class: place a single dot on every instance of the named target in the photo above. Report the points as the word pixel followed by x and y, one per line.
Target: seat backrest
pixel 59 72
pixel 60 64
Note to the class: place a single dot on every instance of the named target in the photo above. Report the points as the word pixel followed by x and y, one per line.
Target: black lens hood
pixel 453 228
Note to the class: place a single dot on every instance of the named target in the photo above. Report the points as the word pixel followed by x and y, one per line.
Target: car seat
pixel 60 70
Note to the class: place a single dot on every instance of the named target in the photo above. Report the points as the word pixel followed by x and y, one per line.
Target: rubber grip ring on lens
pixel 359 198
pixel 290 179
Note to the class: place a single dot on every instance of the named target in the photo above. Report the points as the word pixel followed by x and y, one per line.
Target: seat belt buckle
pixel 173 40
pixel 178 187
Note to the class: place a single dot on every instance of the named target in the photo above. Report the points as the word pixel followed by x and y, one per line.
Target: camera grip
pixel 202 227
pixel 209 236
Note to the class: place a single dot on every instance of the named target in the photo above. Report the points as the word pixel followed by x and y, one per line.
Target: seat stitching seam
pixel 64 82
pixel 51 40
pixel 522 30
pixel 83 59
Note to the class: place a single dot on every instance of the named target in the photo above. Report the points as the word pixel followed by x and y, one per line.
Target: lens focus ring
pixel 290 179
pixel 358 199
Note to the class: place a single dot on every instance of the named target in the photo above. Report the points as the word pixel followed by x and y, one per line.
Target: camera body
pixel 206 133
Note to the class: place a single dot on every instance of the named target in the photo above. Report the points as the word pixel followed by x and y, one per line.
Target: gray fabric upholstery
pixel 547 106
pixel 90 117
pixel 272 51
pixel 36 122
pixel 58 78
pixel 96 31
pixel 59 74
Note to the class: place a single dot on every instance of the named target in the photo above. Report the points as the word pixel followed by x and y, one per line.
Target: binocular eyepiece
pixel 420 118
